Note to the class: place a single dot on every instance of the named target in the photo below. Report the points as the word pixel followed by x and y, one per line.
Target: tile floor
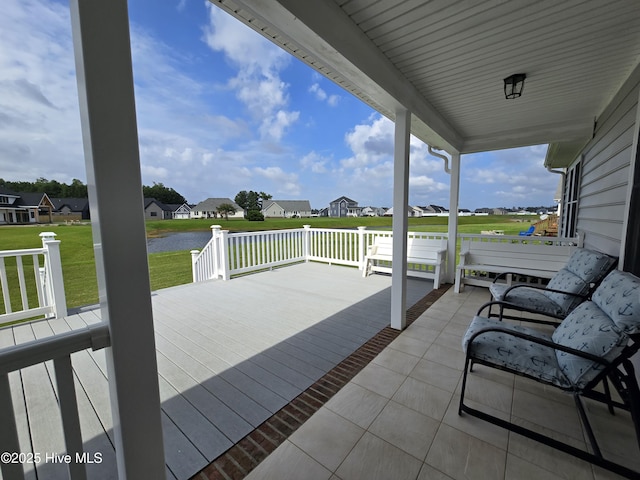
pixel 398 419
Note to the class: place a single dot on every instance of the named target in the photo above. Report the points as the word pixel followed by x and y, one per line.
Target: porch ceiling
pixel 446 61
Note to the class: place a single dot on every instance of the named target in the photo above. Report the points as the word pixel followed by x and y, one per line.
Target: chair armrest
pixel 540 287
pixel 540 341
pixel 463 258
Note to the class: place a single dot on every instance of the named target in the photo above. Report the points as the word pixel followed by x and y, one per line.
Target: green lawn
pixel 174 268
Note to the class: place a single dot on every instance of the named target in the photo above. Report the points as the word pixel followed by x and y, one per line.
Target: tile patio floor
pixel 397 419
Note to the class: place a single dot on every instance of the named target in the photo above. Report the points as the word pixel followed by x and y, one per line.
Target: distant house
pixel 500 211
pixel 323 212
pixel 180 212
pixel 411 212
pixel 434 210
pixel 483 211
pixel 372 211
pixel 70 209
pixel 25 207
pixel 287 208
pixel 344 207
pixel 209 208
pixel 155 210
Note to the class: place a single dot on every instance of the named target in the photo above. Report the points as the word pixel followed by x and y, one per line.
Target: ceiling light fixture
pixel 513 85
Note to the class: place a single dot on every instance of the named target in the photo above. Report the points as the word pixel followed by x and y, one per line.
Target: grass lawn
pixel 174 268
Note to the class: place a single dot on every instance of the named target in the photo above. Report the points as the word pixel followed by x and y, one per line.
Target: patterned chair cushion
pixel 514 353
pixel 531 298
pixel 588 329
pixel 619 297
pixel 583 268
pixel 566 281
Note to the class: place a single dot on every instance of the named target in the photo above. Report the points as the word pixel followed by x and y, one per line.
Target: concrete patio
pixel 398 418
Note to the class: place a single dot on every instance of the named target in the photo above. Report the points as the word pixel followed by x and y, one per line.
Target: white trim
pixel 400 222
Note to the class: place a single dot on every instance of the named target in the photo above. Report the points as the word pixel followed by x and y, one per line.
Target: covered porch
pixel 398 418
pixel 436 69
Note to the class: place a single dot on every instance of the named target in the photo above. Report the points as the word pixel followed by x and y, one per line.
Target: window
pixel 570 201
pixel 153 214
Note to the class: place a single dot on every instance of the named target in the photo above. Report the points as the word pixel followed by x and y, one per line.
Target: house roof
pixel 291 205
pixel 447 62
pixel 211 204
pixel 172 207
pixel 7 192
pixel 74 204
pixel 32 199
pixel 347 199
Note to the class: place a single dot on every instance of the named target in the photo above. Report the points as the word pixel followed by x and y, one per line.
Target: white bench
pixel 526 259
pixel 425 257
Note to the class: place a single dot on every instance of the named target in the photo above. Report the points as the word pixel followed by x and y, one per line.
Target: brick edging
pixel 244 456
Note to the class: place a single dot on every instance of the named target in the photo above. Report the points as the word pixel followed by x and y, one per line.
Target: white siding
pixel 605 172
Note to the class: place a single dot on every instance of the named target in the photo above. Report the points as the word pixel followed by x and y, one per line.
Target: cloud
pixel 283 182
pixel 315 162
pixel 514 177
pixel 40 134
pixel 257 84
pixel 321 95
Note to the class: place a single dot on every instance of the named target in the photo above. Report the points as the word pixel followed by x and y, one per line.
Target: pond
pixel 178 241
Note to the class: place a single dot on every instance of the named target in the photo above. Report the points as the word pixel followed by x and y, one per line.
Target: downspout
pixel 439 155
pixel 454 193
pixel 564 179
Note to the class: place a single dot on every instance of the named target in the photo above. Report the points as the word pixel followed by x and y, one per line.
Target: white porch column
pixel 400 221
pixel 107 110
pixel 454 194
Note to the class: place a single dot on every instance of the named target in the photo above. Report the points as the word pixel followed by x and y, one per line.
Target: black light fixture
pixel 513 85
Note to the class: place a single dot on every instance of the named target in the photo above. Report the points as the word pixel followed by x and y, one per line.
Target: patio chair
pixel 528 233
pixel 594 343
pixel 572 285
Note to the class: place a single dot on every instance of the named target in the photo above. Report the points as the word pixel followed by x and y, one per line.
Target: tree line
pixel 77 189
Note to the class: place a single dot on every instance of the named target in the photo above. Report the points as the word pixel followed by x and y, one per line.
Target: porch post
pixel 400 221
pixel 108 118
pixel 454 193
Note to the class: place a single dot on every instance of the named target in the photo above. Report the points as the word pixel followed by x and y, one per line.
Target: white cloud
pixel 39 119
pixel 281 181
pixel 258 84
pixel 321 95
pixel 315 162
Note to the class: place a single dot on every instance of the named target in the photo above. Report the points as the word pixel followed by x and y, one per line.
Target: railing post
pixel 307 242
pixel 216 255
pixel 361 247
pixel 194 273
pixel 55 281
pixel 224 255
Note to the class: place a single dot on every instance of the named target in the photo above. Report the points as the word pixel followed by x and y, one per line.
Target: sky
pixel 220 109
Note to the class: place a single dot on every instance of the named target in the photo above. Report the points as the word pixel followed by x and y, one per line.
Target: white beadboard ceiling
pixel 445 61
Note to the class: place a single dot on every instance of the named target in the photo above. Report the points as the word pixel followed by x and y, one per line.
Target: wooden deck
pixel 230 354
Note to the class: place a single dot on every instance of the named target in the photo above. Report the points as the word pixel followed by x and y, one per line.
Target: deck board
pixel 230 354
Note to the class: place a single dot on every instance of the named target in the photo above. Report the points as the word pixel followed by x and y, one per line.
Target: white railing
pixel 45 285
pixel 58 349
pixel 229 254
pixel 522 240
